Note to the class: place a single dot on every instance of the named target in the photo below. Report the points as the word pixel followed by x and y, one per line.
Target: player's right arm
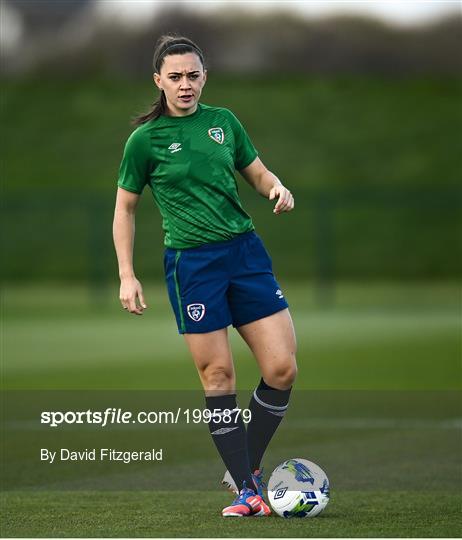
pixel 131 292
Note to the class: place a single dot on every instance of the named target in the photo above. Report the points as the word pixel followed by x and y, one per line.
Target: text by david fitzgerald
pixel 100 454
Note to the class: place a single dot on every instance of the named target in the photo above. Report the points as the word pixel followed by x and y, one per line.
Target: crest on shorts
pixel 217 134
pixel 196 311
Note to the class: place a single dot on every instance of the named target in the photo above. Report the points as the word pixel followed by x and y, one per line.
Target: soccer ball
pixel 298 488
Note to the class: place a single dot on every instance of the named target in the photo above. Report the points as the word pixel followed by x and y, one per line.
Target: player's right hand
pixel 131 296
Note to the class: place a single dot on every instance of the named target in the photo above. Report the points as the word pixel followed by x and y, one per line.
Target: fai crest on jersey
pixel 196 311
pixel 217 135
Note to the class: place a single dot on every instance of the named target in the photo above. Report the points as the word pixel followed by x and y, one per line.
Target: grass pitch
pixel 377 405
pixel 196 514
pixel 392 337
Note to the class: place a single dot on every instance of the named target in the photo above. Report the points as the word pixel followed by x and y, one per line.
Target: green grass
pixel 196 514
pixel 378 337
pixel 377 405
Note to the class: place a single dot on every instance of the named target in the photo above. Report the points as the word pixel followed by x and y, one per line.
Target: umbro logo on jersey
pixel 217 134
pixel 175 147
pixel 196 311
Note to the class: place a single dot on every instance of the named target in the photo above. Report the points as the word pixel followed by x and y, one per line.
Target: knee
pixel 282 376
pixel 218 378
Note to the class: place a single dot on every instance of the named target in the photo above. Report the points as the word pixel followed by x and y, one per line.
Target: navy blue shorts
pixel 215 285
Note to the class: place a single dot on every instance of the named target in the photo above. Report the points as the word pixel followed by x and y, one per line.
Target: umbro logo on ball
pixel 280 493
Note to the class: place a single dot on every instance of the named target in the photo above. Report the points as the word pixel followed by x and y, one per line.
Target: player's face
pixel 182 78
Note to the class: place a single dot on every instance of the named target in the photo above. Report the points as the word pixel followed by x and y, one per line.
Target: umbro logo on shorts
pixel 217 134
pixel 196 311
pixel 279 293
pixel 175 147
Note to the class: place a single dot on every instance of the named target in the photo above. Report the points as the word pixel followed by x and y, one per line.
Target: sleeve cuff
pixel 247 162
pixel 129 188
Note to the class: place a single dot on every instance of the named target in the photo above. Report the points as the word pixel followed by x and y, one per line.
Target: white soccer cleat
pixel 229 483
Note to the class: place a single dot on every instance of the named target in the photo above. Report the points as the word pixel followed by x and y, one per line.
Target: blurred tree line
pixel 68 37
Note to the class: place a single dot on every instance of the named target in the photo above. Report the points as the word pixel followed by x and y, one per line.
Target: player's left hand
pixel 285 199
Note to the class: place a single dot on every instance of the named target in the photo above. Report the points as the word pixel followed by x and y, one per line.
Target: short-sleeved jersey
pixel 189 163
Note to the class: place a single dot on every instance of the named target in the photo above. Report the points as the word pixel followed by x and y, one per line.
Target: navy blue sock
pixel 268 406
pixel 228 434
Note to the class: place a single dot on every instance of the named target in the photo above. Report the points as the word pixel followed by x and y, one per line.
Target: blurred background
pixel 354 105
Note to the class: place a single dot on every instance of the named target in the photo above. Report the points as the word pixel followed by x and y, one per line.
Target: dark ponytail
pixel 165 46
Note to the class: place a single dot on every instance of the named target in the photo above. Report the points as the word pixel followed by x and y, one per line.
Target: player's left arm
pixel 268 185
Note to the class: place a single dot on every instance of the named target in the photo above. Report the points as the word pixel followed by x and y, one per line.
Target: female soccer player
pixel 217 270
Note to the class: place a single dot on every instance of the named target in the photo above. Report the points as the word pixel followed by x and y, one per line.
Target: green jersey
pixel 189 163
